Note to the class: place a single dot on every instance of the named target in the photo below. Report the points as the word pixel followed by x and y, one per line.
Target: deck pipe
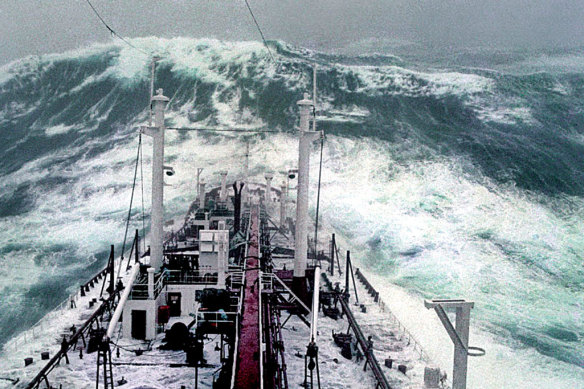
pixel 202 195
pixel 223 193
pixel 120 308
pixel 283 200
pixel 315 302
pixel 237 206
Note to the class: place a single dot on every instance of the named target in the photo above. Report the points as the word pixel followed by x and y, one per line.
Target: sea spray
pixel 447 182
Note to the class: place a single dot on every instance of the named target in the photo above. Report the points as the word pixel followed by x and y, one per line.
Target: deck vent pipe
pixel 268 199
pixel 283 200
pixel 223 193
pixel 202 194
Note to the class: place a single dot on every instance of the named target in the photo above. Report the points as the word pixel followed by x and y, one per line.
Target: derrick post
pixel 301 241
pixel 157 133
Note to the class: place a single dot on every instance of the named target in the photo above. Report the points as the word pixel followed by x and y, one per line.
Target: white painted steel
pixel 315 298
pixel 159 102
pixel 306 138
pixel 223 193
pixel 268 196
pixel 202 194
pixel 458 335
pixel 120 308
pixel 150 271
pixel 283 200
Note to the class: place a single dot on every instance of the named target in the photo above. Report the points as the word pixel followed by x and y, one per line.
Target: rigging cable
pixel 260 31
pixel 131 202
pixel 320 163
pixel 218 129
pixel 112 31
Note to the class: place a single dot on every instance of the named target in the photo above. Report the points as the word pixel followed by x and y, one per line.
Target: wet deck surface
pixel 248 355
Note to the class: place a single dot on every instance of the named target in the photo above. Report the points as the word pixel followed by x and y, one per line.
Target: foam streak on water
pixel 443 182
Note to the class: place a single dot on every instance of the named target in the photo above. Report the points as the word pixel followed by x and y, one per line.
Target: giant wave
pixel 447 181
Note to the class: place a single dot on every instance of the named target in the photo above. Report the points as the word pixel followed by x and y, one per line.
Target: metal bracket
pixel 458 335
pixel 150 131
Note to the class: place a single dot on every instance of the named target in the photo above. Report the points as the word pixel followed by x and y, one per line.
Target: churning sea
pixel 453 174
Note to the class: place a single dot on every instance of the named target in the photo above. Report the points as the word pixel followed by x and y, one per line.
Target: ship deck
pixel 143 364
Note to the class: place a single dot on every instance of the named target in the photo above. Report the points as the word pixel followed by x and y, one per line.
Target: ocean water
pixel 452 175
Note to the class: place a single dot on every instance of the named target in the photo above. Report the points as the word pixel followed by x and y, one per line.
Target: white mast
pixel 306 137
pixel 152 70
pixel 157 132
pixel 314 97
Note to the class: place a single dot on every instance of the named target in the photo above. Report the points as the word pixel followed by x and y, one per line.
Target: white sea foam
pixel 428 226
pixel 58 130
pixel 221 63
pixel 506 115
pixel 560 63
pixel 402 81
pixel 431 205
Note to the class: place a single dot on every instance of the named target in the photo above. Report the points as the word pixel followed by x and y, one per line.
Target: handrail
pixel 36 381
pixel 381 379
pixel 203 276
pixel 140 291
pixel 73 297
pixel 423 354
pixel 202 316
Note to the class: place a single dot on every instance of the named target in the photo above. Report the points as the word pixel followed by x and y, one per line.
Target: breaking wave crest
pixel 450 182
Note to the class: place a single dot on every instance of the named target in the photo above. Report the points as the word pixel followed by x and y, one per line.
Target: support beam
pixel 111 288
pixel 202 194
pixel 315 302
pixel 283 200
pixel 150 271
pixel 459 335
pixel 120 308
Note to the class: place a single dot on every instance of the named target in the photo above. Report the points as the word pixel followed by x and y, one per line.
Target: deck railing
pixel 140 290
pixel 192 277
